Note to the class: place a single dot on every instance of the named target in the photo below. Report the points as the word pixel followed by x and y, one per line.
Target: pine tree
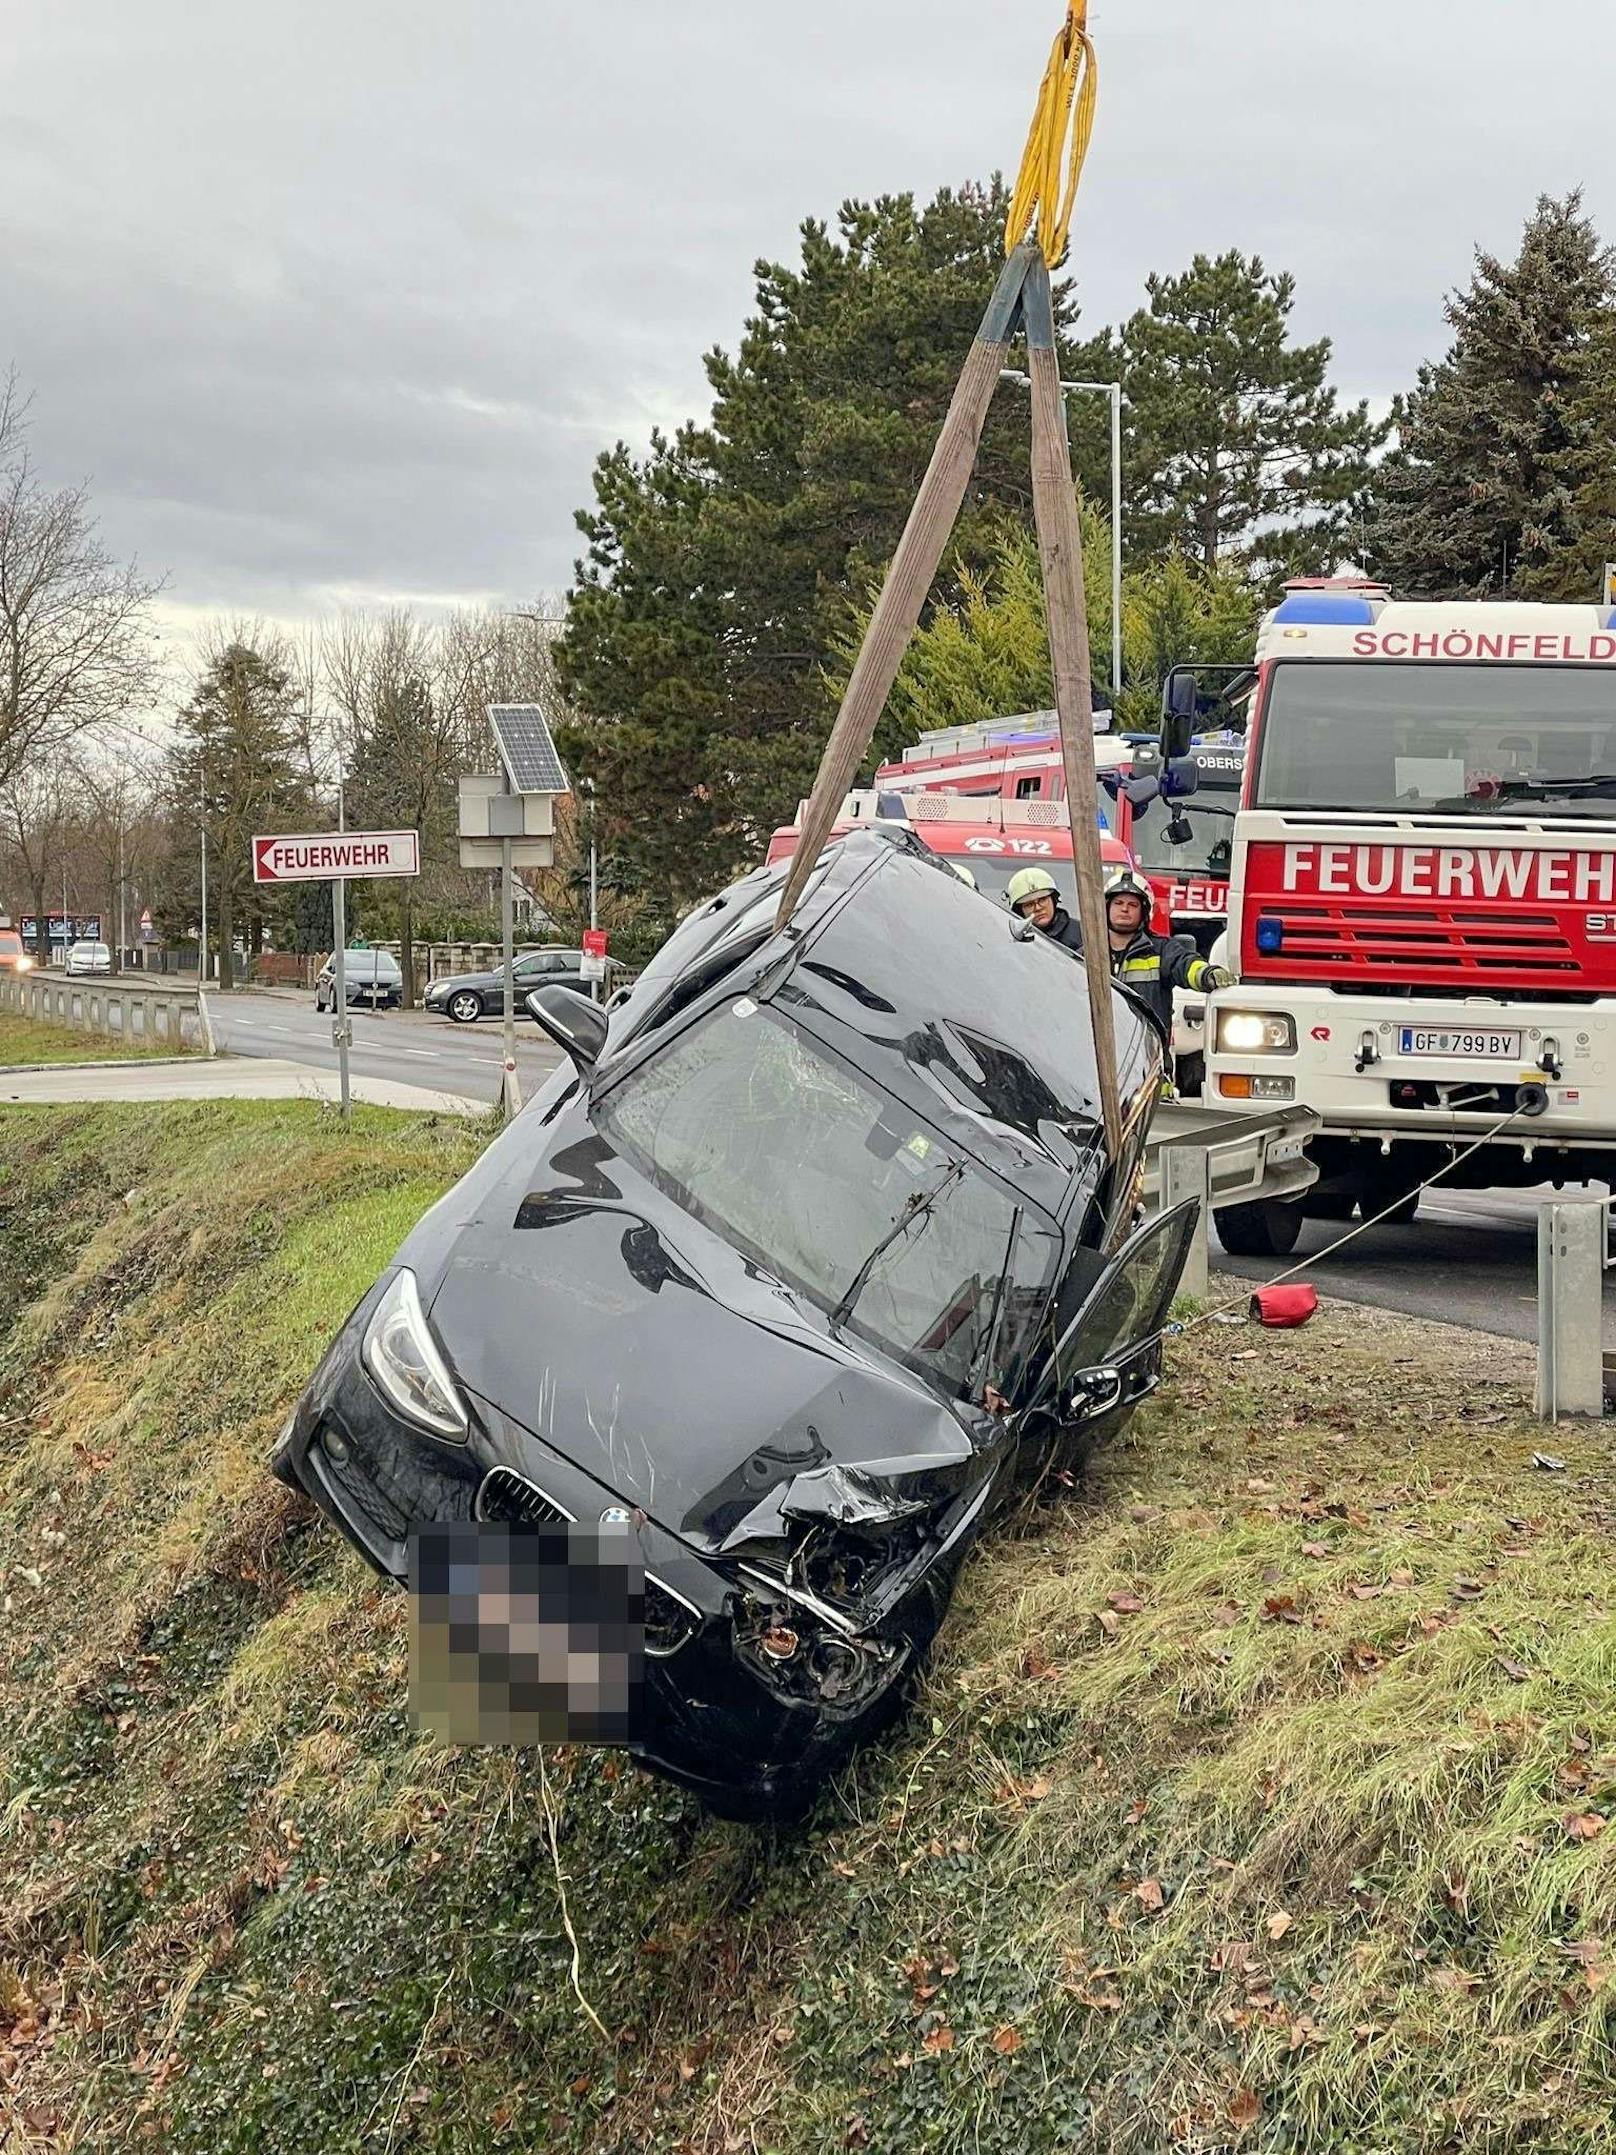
pixel 720 568
pixel 1575 571
pixel 1506 443
pixel 1236 445
pixel 986 654
pixel 232 773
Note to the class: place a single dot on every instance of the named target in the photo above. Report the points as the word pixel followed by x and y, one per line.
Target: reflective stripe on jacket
pixel 1152 966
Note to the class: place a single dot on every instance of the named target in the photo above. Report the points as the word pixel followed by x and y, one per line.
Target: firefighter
pixel 1152 965
pixel 1035 895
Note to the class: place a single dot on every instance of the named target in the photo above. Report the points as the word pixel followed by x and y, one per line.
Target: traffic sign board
pixel 594 942
pixel 323 856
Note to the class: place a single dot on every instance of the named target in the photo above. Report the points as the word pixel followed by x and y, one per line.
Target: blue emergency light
pixel 1270 934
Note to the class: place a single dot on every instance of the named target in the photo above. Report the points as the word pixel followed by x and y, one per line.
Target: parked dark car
pixel 466 997
pixel 369 976
pixel 812 1253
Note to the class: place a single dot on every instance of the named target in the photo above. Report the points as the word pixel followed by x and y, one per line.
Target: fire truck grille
pixel 1437 942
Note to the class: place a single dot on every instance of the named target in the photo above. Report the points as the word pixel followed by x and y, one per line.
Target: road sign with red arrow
pixel 326 855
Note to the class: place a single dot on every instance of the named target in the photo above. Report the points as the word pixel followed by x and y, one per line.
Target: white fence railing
pixel 156 1013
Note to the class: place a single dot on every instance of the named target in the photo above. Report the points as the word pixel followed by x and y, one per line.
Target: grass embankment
pixel 27 1041
pixel 1258 1797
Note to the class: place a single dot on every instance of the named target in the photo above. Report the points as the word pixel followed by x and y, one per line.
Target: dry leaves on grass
pixel 1244 2109
pixel 1005 2040
pixel 1584 1825
pixel 1279 1923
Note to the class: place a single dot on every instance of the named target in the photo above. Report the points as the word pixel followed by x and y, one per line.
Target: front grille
pixel 1438 942
pixel 511 1499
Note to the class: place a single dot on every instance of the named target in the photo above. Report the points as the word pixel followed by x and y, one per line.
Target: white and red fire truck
pixel 1182 847
pixel 991 837
pixel 1423 897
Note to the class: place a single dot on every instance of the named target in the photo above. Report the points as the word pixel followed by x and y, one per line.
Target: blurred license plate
pixel 1497 1047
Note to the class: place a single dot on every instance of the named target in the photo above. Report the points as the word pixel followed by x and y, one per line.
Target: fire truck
pixel 1423 896
pixel 1181 846
pixel 991 838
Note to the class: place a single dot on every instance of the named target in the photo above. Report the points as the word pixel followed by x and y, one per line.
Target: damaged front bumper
pixel 755 1685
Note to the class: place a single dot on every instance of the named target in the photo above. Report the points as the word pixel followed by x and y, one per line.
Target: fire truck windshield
pixel 1209 815
pixel 1454 739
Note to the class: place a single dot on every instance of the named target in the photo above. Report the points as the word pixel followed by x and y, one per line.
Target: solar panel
pixel 526 748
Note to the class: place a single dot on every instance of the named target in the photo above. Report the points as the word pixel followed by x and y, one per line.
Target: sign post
pixel 593 968
pixel 507 821
pixel 335 856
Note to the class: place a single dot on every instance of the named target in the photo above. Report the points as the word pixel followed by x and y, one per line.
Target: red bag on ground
pixel 1283 1308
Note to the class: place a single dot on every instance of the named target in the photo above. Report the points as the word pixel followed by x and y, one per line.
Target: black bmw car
pixel 809 1255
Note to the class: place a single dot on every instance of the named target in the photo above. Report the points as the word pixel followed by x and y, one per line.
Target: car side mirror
pixel 1181 704
pixel 572 1021
pixel 1093 1392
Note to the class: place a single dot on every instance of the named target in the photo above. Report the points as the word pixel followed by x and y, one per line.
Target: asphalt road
pixel 1468 1257
pixel 407 1046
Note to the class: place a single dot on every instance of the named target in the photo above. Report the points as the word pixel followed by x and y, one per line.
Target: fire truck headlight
pixel 1256 1032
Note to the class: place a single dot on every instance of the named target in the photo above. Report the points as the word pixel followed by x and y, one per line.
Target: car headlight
pixel 1256 1032
pixel 25 965
pixel 403 1357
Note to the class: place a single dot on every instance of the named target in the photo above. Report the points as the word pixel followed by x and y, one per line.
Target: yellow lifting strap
pixel 1065 107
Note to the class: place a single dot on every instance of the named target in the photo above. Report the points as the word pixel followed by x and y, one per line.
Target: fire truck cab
pixel 1423 898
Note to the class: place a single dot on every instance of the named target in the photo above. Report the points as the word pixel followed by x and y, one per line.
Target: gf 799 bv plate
pixel 1489 1046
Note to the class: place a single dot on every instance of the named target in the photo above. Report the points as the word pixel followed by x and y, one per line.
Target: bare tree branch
pixel 75 641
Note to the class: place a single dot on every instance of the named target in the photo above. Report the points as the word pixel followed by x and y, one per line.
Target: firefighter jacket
pixel 1064 930
pixel 1154 965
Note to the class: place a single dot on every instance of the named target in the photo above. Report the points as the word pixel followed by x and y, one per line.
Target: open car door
pixel 1109 1356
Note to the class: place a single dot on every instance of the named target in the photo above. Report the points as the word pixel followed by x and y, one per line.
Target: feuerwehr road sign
pixel 324 856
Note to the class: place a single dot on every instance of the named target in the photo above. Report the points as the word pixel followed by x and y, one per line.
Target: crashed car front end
pixel 772 1631
pixel 769 1284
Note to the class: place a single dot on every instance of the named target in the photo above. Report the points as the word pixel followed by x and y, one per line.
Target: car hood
pixel 465 980
pixel 691 1384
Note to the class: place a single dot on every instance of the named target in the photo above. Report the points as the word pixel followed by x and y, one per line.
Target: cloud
pixel 338 304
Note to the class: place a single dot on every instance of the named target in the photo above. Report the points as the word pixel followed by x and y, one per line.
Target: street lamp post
pixel 1113 390
pixel 202 953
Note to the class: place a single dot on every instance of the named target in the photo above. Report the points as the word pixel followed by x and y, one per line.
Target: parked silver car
pixel 369 976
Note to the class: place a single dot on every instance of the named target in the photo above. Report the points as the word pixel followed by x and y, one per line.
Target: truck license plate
pixel 1494 1047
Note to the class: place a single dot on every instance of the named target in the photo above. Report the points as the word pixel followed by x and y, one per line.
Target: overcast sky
pixel 335 301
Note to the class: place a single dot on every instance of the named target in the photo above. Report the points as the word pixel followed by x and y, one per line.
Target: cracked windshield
pixel 756 1130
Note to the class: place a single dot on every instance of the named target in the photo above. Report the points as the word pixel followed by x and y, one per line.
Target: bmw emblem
pixel 615 1515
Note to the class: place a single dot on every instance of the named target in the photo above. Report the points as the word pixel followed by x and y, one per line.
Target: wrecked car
pixel 811 1253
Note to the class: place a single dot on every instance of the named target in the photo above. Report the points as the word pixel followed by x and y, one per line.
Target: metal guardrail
pixel 154 1013
pixel 1221 1159
pixel 1249 1156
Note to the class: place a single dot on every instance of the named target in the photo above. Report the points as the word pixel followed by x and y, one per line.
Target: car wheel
pixel 1268 1228
pixel 465 1008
